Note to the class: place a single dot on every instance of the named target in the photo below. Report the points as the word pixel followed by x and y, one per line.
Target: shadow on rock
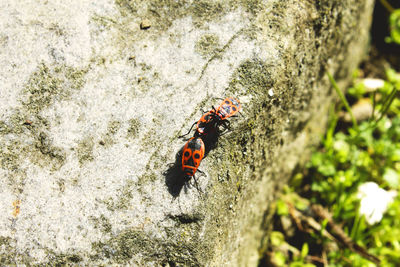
pixel 175 179
pixel 210 141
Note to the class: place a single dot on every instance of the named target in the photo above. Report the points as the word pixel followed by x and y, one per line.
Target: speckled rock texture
pixel 93 97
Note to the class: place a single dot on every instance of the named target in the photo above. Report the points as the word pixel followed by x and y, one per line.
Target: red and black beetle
pixel 216 117
pixel 192 154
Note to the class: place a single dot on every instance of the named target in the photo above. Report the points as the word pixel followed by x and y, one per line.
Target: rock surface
pixel 92 106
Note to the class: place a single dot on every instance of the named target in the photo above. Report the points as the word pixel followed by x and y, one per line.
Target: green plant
pixel 394 24
pixel 363 155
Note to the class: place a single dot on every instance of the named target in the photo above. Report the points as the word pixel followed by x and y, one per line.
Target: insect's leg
pixel 188 131
pixel 186 186
pixel 196 184
pixel 227 126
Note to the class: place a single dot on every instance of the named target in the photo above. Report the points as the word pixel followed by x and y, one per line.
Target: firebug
pixel 192 154
pixel 229 107
pixel 216 117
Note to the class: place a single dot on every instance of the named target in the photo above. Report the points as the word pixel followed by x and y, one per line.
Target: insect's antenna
pixel 188 131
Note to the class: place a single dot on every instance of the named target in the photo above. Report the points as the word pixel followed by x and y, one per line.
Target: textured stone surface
pixel 91 106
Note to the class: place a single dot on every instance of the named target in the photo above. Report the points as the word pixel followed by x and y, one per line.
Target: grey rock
pixel 92 106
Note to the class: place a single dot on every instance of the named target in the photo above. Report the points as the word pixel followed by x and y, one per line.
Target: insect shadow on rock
pixel 178 176
pixel 175 178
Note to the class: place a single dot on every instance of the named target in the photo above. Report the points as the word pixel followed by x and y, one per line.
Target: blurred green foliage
pixel 394 22
pixel 351 155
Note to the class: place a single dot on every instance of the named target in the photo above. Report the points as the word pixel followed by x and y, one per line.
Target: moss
pixel 29 130
pixel 125 196
pixel 85 150
pixel 47 154
pixel 102 223
pixel 148 140
pixel 158 12
pixel 133 128
pixel 63 259
pixel 207 10
pixel 28 142
pixel 61 185
pixel 5 241
pixel 105 22
pixel 252 77
pixel 3 40
pixel 252 6
pixel 24 134
pixel 207 45
pixel 123 199
pixel 55 27
pixel 120 248
pixel 9 160
pixel 113 127
pixel 162 13
pixel 48 84
pixel 16 123
pixel 9 255
pixel 4 129
pixel 147 177
pixel 42 87
pixel 160 161
pixel 7 251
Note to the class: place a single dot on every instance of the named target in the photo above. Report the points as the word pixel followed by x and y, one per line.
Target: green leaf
pixel 328 169
pixel 394 22
pixel 342 148
pixel 357 91
pixel 304 251
pixel 301 204
pixel 316 159
pixel 395 156
pixel 297 180
pixel 281 208
pixel 279 258
pixel 277 238
pixel 391 177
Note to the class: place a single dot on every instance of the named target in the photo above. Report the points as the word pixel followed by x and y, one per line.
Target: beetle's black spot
pixel 186 154
pixel 196 156
pixel 234 108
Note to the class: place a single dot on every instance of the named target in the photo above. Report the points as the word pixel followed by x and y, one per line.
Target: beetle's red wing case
pixel 193 153
pixel 229 107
